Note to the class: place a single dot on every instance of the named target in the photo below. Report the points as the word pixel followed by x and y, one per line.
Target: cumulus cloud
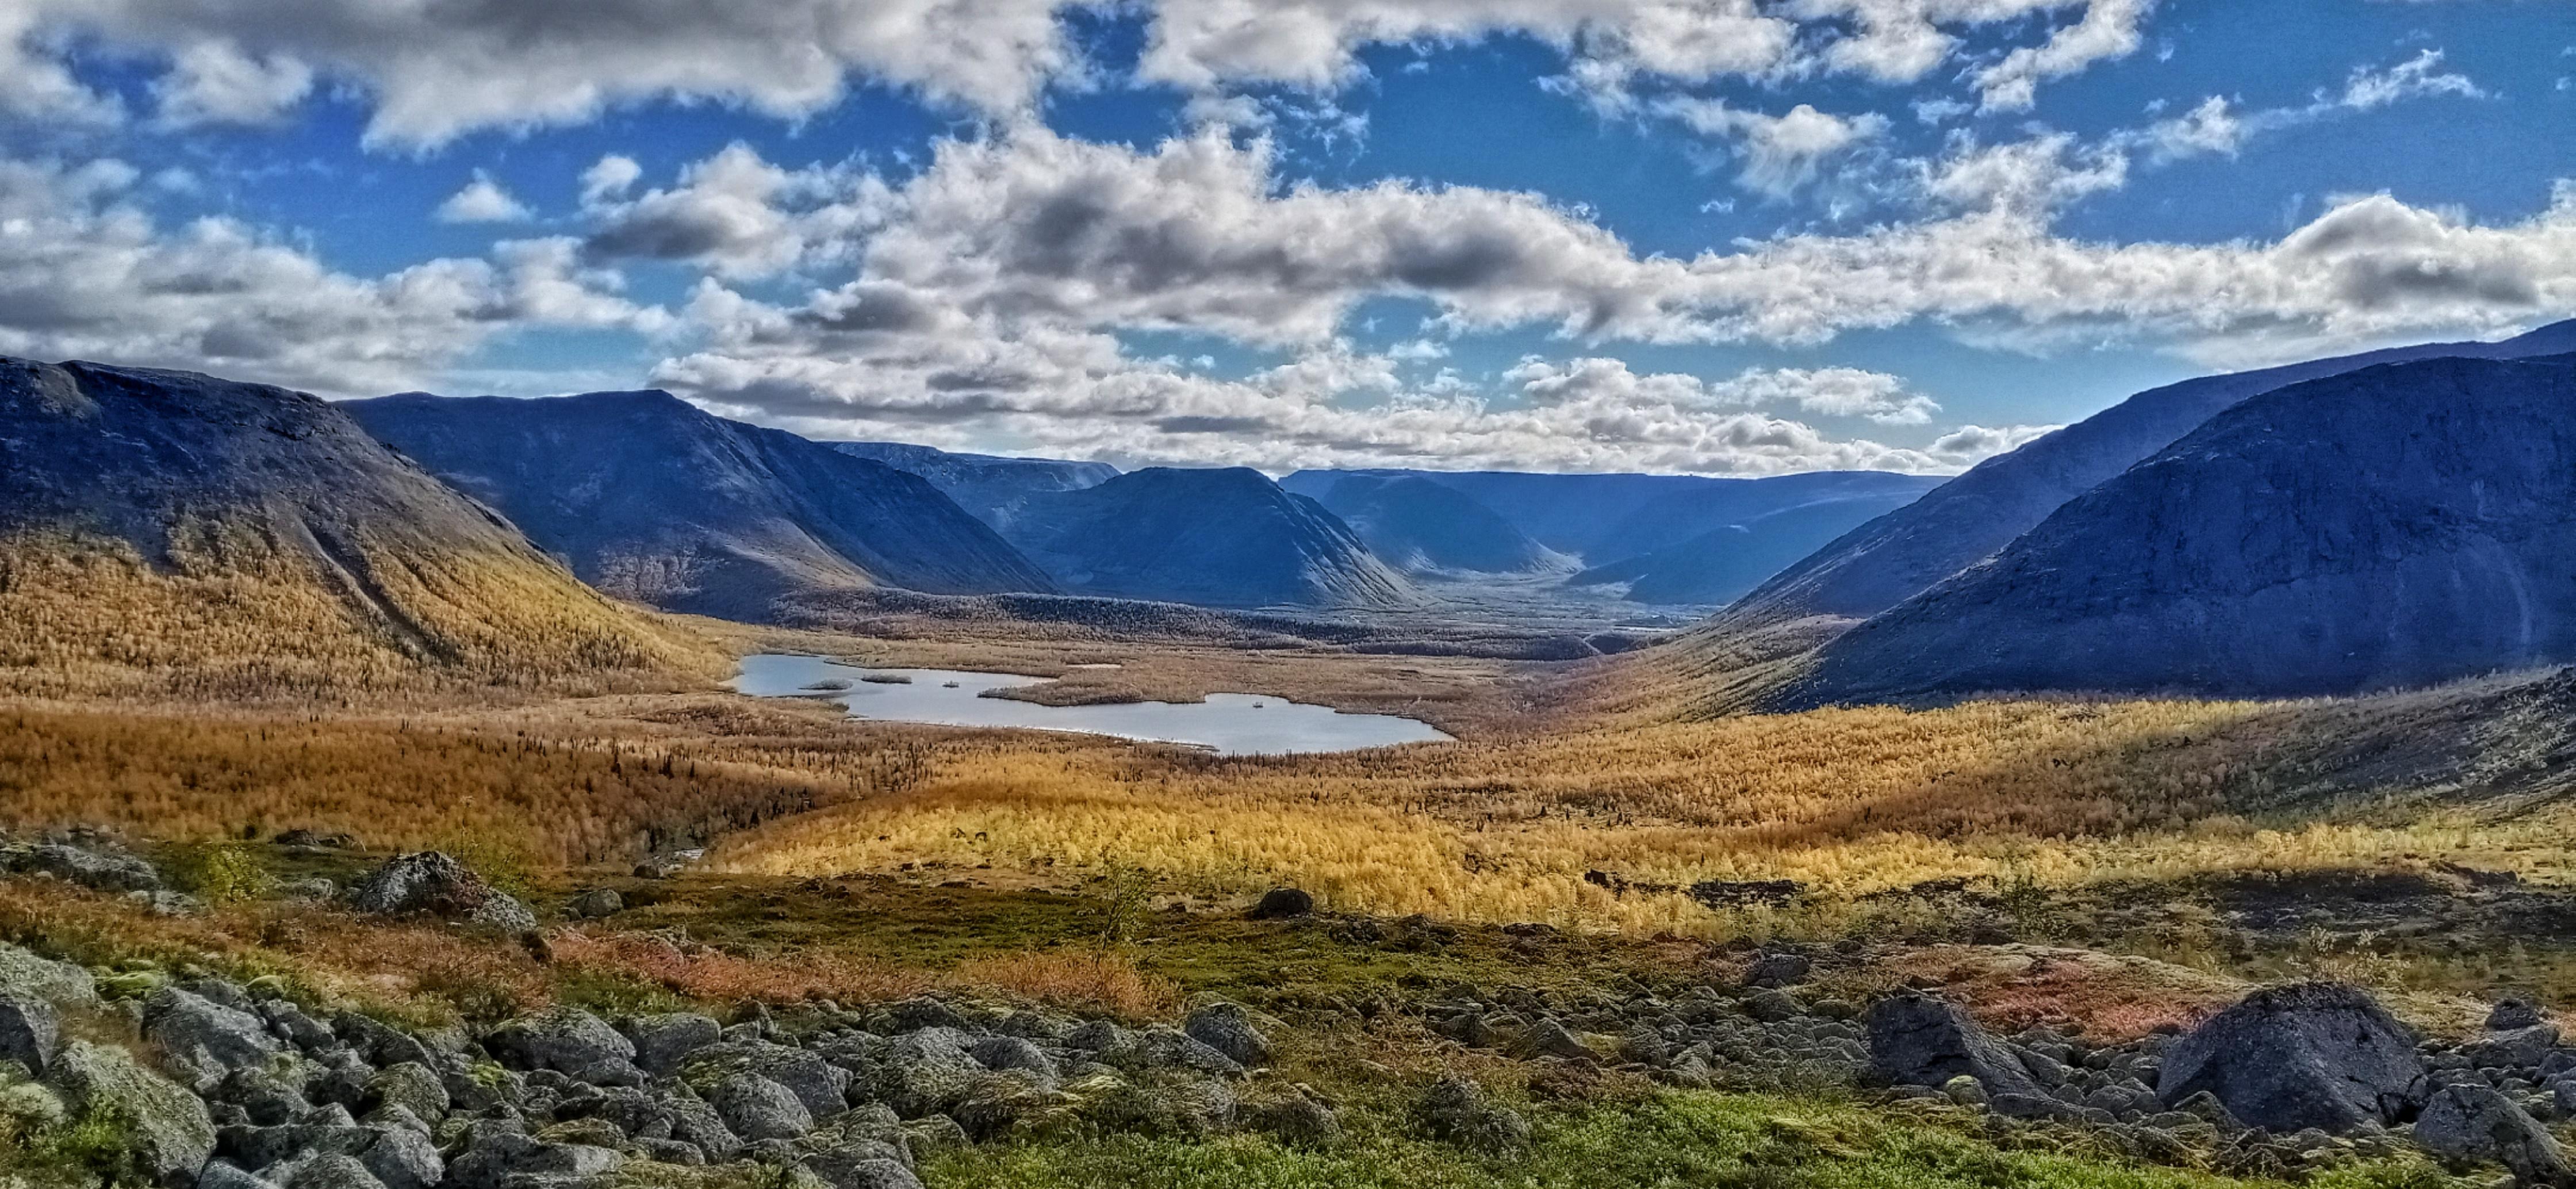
pixel 1780 153
pixel 481 201
pixel 1973 443
pixel 214 82
pixel 2108 29
pixel 84 273
pixel 734 214
pixel 611 177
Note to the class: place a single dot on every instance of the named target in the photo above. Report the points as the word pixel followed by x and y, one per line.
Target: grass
pixel 1670 1139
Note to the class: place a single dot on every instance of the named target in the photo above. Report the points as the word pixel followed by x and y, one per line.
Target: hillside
pixel 650 499
pixel 1724 563
pixel 990 486
pixel 1224 537
pixel 174 532
pixel 1890 559
pixel 2401 525
pixel 1416 524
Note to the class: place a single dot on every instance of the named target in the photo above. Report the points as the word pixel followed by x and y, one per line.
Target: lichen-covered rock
pixel 663 1041
pixel 102 868
pixel 436 884
pixel 62 984
pixel 396 1157
pixel 166 1130
pixel 564 1039
pixel 493 1157
pixel 1457 1110
pixel 817 1083
pixel 1228 1028
pixel 597 903
pixel 413 1087
pixel 2308 1055
pixel 757 1108
pixel 2468 1123
pixel 31 1030
pixel 201 1040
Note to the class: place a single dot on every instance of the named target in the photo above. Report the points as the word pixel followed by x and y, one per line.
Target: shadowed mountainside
pixel 1900 554
pixel 173 531
pixel 651 499
pixel 1225 537
pixel 990 486
pixel 2397 526
pixel 1725 562
pixel 1416 524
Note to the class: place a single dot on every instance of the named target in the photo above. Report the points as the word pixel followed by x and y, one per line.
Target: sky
pixel 1727 237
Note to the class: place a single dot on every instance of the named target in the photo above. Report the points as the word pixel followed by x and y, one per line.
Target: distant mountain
pixel 1721 565
pixel 1415 524
pixel 2399 525
pixel 991 486
pixel 1609 518
pixel 1898 555
pixel 171 530
pixel 651 499
pixel 1224 537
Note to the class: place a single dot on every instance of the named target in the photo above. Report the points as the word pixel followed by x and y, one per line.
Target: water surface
pixel 1228 724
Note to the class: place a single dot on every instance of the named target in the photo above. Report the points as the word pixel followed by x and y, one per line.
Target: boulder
pixel 1548 1038
pixel 2285 1058
pixel 201 1040
pixel 2471 1123
pixel 564 1039
pixel 494 1158
pixel 62 984
pixel 165 1128
pixel 1917 1040
pixel 1003 1054
pixel 31 1030
pixel 1457 1110
pixel 2511 1014
pixel 1228 1028
pixel 1777 968
pixel 663 1041
pixel 756 1108
pixel 325 1170
pixel 696 1122
pixel 413 1087
pixel 224 1175
pixel 396 1157
pixel 2518 1048
pixel 817 1083
pixel 433 883
pixel 100 869
pixel 925 1072
pixel 597 903
pixel 1282 903
pixel 264 1099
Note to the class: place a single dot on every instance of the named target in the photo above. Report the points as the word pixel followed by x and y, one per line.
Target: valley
pixel 1514 875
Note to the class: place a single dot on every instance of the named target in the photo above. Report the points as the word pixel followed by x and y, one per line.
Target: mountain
pixel 1224 537
pixel 1722 564
pixel 176 531
pixel 2400 525
pixel 990 486
pixel 1609 518
pixel 1416 524
pixel 651 499
pixel 1889 559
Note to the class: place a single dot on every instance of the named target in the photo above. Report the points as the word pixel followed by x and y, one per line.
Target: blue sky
pixel 1716 236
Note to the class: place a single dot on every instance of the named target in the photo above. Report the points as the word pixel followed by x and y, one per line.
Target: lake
pixel 1228 724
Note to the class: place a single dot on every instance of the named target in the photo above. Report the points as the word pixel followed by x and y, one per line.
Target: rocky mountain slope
pixel 172 530
pixel 1724 563
pixel 2399 525
pixel 651 499
pixel 1416 524
pixel 991 486
pixel 1892 558
pixel 1225 537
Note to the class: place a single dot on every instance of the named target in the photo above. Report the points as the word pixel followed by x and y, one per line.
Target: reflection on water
pixel 1229 724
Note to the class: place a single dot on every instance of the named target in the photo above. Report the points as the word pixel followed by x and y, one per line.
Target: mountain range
pixel 1891 558
pixel 163 529
pixel 990 486
pixel 1420 525
pixel 648 498
pixel 1225 537
pixel 2400 525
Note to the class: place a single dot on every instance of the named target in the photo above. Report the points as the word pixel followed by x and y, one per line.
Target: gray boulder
pixel 925 1072
pixel 325 1170
pixel 822 1086
pixel 598 903
pixel 381 1043
pixel 62 984
pixel 264 1099
pixel 862 1166
pixel 99 869
pixel 2287 1058
pixel 564 1039
pixel 694 1121
pixel 1282 903
pixel 31 1030
pixel 413 1087
pixel 396 1157
pixel 1003 1054
pixel 167 1130
pixel 436 884
pixel 201 1040
pixel 756 1108
pixel 1173 1048
pixel 493 1158
pixel 1228 1028
pixel 2470 1123
pixel 1457 1110
pixel 226 1175
pixel 2518 1048
pixel 2511 1014
pixel 663 1041
pixel 1916 1040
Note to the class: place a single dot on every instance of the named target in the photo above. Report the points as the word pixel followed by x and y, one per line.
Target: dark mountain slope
pixel 990 486
pixel 1676 516
pixel 1724 563
pixel 2400 525
pixel 1226 537
pixel 651 499
pixel 1889 559
pixel 1416 524
pixel 171 530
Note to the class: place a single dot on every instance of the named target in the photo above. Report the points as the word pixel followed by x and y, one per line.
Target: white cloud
pixel 1781 153
pixel 86 274
pixel 2109 29
pixel 214 82
pixel 1969 444
pixel 611 177
pixel 482 201
pixel 734 214
pixel 2216 127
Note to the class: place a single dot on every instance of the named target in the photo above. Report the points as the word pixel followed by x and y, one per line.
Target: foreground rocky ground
pixel 181 1072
